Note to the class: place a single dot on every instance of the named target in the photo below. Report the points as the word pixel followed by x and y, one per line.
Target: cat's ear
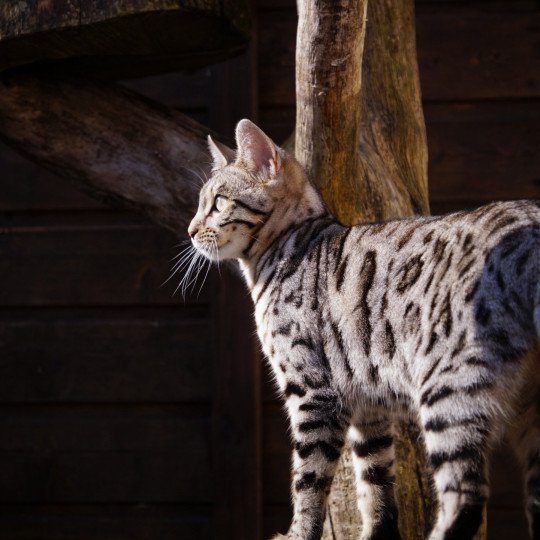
pixel 256 151
pixel 221 154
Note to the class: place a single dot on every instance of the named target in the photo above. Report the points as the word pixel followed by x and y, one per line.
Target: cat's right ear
pixel 222 155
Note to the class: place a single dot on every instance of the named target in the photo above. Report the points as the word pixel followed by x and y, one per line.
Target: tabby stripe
pixel 250 208
pixel 293 388
pixel 503 222
pixel 311 425
pixel 323 398
pixel 239 222
pixel 374 374
pixel 379 475
pixel 270 253
pixel 430 397
pixel 315 302
pixel 428 237
pixel 284 329
pixel 472 291
pixel 464 453
pixel 405 239
pixel 310 481
pixel 342 245
pixel 460 344
pixel 341 273
pixel 341 346
pixel 433 338
pixel 372 446
pixel 408 308
pixel 410 273
pixel 315 385
pixel 323 357
pixel 473 361
pixel 308 407
pixel 447 314
pixel 367 275
pixel 466 268
pixel 439 423
pixel 447 267
pixel 314 231
pixel 438 250
pixel 306 449
pixel 429 281
pixel 390 342
pixel 301 342
pixel 269 279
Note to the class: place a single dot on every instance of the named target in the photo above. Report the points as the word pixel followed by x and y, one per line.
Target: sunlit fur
pixel 435 319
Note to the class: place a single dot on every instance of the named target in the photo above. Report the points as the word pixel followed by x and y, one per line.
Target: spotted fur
pixel 433 318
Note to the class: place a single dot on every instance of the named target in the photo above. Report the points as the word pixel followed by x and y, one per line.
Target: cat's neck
pixel 286 214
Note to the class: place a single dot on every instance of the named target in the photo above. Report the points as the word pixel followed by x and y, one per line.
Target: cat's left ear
pixel 256 151
pixel 222 155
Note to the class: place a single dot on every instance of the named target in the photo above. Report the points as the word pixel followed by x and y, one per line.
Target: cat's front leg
pixel 372 445
pixel 319 423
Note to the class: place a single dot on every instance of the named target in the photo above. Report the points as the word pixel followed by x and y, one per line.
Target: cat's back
pixel 420 280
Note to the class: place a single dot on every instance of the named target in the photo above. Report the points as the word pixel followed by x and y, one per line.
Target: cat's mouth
pixel 210 250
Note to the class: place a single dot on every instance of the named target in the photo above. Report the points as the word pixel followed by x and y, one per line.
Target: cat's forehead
pixel 229 181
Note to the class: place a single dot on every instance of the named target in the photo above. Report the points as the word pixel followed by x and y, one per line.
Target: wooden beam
pixel 121 38
pixel 116 145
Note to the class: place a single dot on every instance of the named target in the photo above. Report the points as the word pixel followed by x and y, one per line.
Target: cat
pixel 433 318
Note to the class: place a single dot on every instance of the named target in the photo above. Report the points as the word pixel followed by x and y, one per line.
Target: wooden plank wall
pixel 116 404
pixel 125 412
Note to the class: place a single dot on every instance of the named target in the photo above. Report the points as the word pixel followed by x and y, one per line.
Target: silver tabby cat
pixel 435 318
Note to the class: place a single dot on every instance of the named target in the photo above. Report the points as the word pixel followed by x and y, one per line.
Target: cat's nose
pixel 192 230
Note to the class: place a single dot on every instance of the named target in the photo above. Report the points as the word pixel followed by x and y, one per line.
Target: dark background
pixel 126 413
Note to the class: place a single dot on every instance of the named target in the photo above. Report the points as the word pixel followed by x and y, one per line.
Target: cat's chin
pixel 229 250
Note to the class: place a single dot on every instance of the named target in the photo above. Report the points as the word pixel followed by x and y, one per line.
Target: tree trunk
pixel 360 134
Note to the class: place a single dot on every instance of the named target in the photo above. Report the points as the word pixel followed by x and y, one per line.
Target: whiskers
pixel 190 263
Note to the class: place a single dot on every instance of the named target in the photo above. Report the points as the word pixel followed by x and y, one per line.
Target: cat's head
pixel 243 192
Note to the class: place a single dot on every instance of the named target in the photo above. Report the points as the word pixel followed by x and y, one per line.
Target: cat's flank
pixel 435 318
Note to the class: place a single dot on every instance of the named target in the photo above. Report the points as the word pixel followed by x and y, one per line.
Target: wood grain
pixel 117 145
pixel 105 355
pixel 121 38
pixel 466 51
pixel 106 521
pixel 62 262
pixel 91 454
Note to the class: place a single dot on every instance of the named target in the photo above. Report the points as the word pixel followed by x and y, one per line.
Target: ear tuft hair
pixel 222 155
pixel 256 151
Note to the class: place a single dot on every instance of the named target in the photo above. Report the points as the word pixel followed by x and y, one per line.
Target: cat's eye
pixel 219 203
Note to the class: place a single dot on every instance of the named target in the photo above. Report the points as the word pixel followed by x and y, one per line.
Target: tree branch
pixel 115 144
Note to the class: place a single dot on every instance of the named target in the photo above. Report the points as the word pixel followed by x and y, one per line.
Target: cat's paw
pixel 279 537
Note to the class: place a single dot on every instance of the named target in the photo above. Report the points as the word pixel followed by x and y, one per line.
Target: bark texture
pixel 122 38
pixel 116 145
pixel 360 133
